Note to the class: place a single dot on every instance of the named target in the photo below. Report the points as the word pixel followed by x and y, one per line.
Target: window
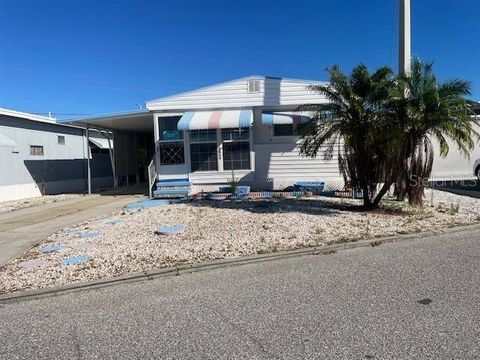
pixel 203 136
pixel 171 150
pixel 61 139
pixel 283 130
pixel 168 128
pixel 287 129
pixel 204 157
pixel 236 134
pixel 253 86
pixel 36 150
pixel 203 150
pixel 236 155
pixel 172 153
pixel 236 149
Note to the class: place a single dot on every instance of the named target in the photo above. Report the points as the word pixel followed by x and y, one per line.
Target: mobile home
pixel 39 156
pixel 245 129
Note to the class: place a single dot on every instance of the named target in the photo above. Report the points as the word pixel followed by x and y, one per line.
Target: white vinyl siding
pixel 234 94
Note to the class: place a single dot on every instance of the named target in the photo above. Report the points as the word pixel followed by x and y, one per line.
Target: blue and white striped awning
pixel 6 141
pixel 227 119
pixel 285 117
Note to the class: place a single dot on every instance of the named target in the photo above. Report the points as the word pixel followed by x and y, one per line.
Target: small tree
pixel 354 123
pixel 425 109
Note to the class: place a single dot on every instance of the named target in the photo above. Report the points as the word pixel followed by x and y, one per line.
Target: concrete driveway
pixel 20 229
pixel 407 300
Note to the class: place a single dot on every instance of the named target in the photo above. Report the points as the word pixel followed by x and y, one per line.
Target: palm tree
pixel 353 123
pixel 425 109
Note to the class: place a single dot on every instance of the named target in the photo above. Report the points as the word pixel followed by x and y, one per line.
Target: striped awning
pixel 204 120
pixel 283 117
pixel 6 141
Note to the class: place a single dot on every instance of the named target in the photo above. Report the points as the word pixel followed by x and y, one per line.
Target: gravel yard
pixel 125 242
pixel 13 205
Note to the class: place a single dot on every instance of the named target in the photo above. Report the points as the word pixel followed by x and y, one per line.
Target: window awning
pixel 6 141
pixel 204 120
pixel 101 143
pixel 279 118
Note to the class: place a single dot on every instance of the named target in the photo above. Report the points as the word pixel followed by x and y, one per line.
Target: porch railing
pixel 152 175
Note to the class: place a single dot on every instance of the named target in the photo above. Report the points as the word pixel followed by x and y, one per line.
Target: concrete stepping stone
pixel 170 230
pixel 75 260
pixel 52 248
pixel 30 264
pixel 90 234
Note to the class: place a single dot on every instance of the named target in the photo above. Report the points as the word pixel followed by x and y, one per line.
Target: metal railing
pixel 152 175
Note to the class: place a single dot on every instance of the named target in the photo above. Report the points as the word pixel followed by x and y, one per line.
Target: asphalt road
pixel 417 299
pixel 20 229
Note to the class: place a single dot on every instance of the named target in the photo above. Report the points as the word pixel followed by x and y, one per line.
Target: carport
pixel 128 139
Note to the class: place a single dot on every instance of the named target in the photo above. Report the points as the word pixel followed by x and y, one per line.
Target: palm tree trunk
pixel 386 186
pixel 367 202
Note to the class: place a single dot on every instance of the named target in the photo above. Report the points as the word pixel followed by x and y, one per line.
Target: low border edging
pixel 223 263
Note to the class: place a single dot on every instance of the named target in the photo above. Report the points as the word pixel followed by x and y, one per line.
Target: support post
pixel 114 163
pixel 405 42
pixel 112 160
pixel 156 139
pixel 89 170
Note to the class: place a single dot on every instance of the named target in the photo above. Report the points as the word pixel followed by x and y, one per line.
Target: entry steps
pixel 172 188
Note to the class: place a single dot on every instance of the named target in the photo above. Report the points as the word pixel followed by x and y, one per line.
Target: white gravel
pixel 13 205
pixel 218 230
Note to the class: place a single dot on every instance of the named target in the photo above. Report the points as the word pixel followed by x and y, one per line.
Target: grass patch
pixel 453 209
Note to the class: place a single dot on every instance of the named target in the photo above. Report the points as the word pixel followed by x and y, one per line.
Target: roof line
pixel 106 115
pixel 202 88
pixel 24 115
pixel 227 82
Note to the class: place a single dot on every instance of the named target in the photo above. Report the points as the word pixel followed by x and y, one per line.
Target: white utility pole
pixel 405 41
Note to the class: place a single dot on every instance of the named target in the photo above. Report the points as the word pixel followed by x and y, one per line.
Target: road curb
pixel 224 263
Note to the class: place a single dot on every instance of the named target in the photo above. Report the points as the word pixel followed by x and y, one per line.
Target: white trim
pixel 28 116
pixel 109 116
pixel 219 150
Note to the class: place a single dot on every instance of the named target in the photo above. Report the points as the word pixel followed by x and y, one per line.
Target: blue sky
pixel 89 57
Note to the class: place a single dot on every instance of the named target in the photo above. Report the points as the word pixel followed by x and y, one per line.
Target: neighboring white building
pixel 39 156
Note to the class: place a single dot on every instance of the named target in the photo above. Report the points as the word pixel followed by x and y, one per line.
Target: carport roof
pixel 135 121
